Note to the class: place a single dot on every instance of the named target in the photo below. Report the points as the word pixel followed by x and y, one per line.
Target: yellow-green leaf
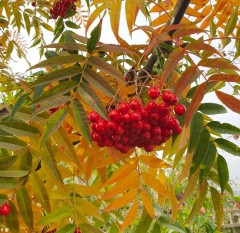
pixel 231 22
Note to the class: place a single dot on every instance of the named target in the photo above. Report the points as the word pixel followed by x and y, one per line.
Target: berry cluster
pixel 61 7
pixel 5 209
pixel 135 125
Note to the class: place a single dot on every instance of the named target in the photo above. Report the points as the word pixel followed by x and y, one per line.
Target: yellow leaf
pixel 115 9
pixel 132 214
pixel 147 202
pixel 90 164
pixel 173 199
pixel 131 10
pixel 155 184
pixel 154 162
pixel 125 199
pixel 102 173
pixel 128 182
pixel 123 171
pixel 83 190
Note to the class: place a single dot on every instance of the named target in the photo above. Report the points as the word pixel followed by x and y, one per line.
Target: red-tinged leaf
pixel 59 60
pixel 196 100
pixel 186 32
pixel 197 45
pixel 40 191
pixel 223 173
pixel 52 124
pixel 113 48
pixel 231 23
pixel 131 9
pixel 81 119
pixel 131 215
pixel 230 101
pixel 217 63
pixel 56 215
pixel 155 42
pixel 172 62
pixel 218 207
pixel 67 46
pixel 106 68
pixel 123 200
pixel 25 206
pixel 225 77
pixel 147 202
pixel 186 79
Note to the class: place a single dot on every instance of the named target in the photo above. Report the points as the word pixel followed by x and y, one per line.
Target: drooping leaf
pixel 196 100
pixel 57 75
pixel 96 80
pixel 223 173
pixel 228 146
pixel 196 127
pixel 18 104
pixel 225 77
pixel 201 150
pixel 12 143
pixel 56 215
pixel 59 60
pixel 131 10
pixel 147 202
pixel 40 191
pixel 106 68
pixel 91 98
pixel 211 108
pixel 70 46
pixel 223 128
pixel 94 37
pixel 81 119
pixel 25 206
pixel 218 207
pixel 230 101
pixel 52 124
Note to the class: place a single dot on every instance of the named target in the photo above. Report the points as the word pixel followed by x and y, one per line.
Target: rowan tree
pixel 100 137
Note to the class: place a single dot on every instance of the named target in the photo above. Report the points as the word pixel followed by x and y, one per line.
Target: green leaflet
pixel 144 223
pixel 231 22
pixel 19 128
pixel 59 60
pixel 12 143
pixel 8 183
pixel 94 37
pixel 56 215
pixel 67 229
pixel 200 151
pixel 218 207
pixel 85 228
pixel 40 191
pixel 223 173
pixel 212 108
pixel 91 98
pixel 175 226
pixel 207 161
pixel 196 127
pixel 12 219
pixel 25 206
pixel 67 46
pixel 13 171
pixel 228 146
pixel 96 80
pixel 59 90
pixel 57 75
pixel 52 124
pixel 106 68
pixel 18 104
pixel 81 120
pixel 223 128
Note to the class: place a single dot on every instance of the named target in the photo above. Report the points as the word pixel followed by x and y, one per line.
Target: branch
pixel 179 12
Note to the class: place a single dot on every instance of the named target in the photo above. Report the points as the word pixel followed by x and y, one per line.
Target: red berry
pixel 137 125
pixel 156 131
pixel 96 137
pixel 111 127
pixel 5 209
pixel 127 118
pixel 33 4
pixel 173 123
pixel 168 97
pixel 135 105
pixel 146 126
pixel 164 109
pixel 153 117
pixel 101 126
pixel 116 138
pixel 153 92
pixel 146 135
pixel 108 142
pixel 136 116
pixel 180 109
pixel 152 107
pixel 123 108
pixel 94 117
pixel 124 149
pixel 177 130
pixel 175 100
pixel 77 230
pixel 119 130
pixel 149 147
pixel 114 115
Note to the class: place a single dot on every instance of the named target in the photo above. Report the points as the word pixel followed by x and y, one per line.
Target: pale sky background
pixel 139 37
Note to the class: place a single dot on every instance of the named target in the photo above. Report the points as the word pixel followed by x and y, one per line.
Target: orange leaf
pixel 196 100
pixel 192 12
pixel 132 214
pixel 147 202
pixel 217 63
pixel 185 79
pixel 225 77
pixel 131 10
pixel 197 45
pixel 153 183
pixel 230 101
pixel 123 185
pixel 123 171
pixel 125 199
pixel 186 32
pixel 172 62
pixel 154 162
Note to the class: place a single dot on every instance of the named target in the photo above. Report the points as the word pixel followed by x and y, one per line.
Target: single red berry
pixel 101 126
pixel 137 125
pixel 157 140
pixel 123 108
pixel 127 118
pixel 168 97
pixel 77 230
pixel 173 123
pixel 179 109
pixel 135 105
pixel 116 138
pixel 5 209
pixel 125 149
pixel 164 109
pixel 114 115
pixel 166 133
pixel 38 106
pixel 156 131
pixel 177 130
pixel 96 137
pixel 152 107
pixel 118 145
pixel 148 147
pixel 108 142
pixel 94 117
pixel 153 92
pixel 34 4
pixel 146 135
pixel 136 116
pixel 124 139
pixel 175 100
pixel 146 126
pixel 119 130
pixel 153 117
pixel 144 113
